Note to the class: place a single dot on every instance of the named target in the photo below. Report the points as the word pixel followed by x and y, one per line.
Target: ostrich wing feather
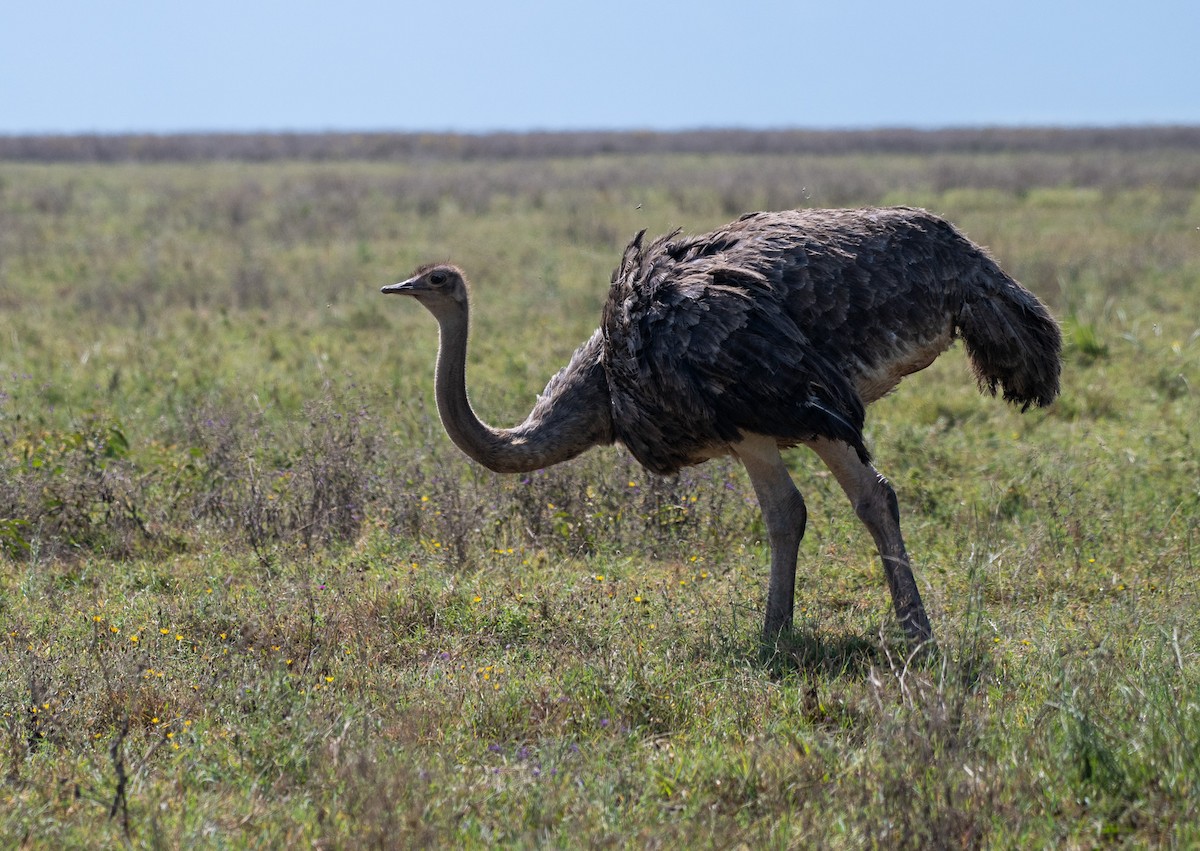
pixel 699 351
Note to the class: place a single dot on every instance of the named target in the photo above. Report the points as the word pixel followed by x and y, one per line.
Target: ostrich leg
pixel 875 504
pixel 785 515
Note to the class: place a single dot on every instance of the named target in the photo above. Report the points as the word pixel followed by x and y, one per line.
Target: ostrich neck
pixel 571 415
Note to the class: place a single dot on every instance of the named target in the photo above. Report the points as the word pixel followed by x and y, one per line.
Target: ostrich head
pixel 441 288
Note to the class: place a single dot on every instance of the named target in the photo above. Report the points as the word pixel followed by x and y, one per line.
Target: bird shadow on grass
pixel 807 650
pixel 853 655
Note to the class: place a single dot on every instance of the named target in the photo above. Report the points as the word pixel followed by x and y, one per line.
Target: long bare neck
pixel 572 415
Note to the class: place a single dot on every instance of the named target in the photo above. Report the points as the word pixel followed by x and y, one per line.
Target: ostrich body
pixel 773 331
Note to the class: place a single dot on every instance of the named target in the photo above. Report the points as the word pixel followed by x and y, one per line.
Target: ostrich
pixel 773 331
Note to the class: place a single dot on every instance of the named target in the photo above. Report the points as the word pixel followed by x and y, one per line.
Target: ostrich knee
pixel 876 505
pixel 879 510
pixel 785 517
pixel 786 521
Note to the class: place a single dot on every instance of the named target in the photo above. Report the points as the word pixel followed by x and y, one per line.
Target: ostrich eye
pixel 437 278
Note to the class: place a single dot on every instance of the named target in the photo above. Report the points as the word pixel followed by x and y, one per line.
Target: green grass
pixel 251 596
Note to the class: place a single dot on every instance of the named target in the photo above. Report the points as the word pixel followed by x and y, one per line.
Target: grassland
pixel 251 597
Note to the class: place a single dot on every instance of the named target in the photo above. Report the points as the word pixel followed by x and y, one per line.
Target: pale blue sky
pixel 241 65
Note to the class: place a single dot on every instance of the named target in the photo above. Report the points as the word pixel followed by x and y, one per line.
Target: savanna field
pixel 251 596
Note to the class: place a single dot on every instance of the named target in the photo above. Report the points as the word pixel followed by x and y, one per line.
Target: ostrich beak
pixel 408 287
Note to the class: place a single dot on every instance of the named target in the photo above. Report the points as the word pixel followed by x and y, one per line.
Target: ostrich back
pixel 785 324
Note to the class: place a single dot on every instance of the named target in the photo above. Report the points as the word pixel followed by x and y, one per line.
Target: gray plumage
pixel 775 330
